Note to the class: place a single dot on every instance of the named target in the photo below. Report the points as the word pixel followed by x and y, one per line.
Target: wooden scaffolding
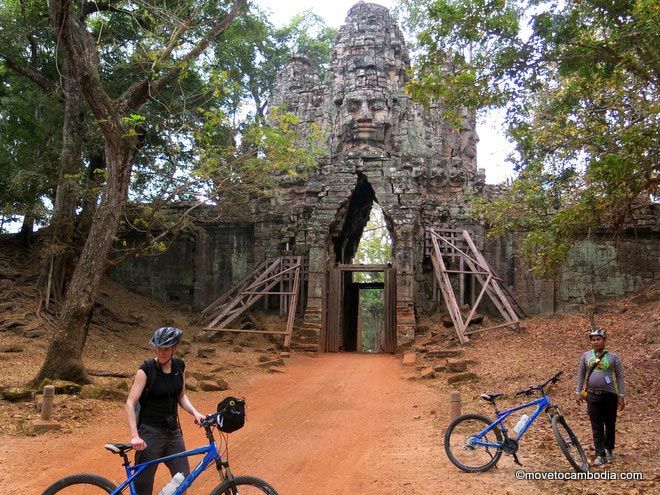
pixel 456 249
pixel 283 272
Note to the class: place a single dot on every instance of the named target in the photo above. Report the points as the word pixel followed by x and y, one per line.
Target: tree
pixel 580 81
pixel 174 128
pixel 166 55
pixel 29 111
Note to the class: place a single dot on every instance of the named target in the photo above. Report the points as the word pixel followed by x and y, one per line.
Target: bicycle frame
pixel 211 455
pixel 541 404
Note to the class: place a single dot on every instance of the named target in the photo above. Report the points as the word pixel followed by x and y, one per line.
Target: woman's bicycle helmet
pixel 597 332
pixel 166 337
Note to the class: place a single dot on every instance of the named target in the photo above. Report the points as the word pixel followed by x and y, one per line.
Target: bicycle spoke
pixel 464 453
pixel 569 444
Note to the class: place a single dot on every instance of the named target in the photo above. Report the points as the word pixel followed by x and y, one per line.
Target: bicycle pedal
pixel 516 460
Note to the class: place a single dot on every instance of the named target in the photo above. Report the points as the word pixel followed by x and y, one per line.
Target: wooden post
pixel 455 403
pixel 47 404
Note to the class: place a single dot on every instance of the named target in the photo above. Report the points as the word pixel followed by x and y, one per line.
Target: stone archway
pixel 343 290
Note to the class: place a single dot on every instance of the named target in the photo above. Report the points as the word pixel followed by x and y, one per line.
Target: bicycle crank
pixel 509 446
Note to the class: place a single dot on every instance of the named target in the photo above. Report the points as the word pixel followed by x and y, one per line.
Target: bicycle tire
pixel 569 444
pixel 76 484
pixel 460 438
pixel 240 483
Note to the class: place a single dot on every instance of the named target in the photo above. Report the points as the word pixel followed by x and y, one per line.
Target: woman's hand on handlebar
pixel 199 418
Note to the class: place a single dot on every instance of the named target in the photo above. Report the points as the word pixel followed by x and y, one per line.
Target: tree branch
pixel 33 75
pixel 140 91
pixel 82 54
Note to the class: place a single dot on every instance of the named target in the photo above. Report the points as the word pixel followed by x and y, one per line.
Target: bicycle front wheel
pixel 80 484
pixel 569 444
pixel 460 450
pixel 244 485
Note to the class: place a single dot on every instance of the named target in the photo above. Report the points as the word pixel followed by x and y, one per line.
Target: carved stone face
pixel 364 117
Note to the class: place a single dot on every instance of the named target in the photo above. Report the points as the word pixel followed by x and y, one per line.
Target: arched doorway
pixel 353 275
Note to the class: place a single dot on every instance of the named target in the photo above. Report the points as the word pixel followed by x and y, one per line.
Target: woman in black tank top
pixel 158 389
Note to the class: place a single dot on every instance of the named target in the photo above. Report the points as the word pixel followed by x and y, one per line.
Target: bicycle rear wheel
pixel 244 485
pixel 569 444
pixel 80 484
pixel 467 457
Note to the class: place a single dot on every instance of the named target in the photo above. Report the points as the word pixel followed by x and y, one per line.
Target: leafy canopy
pixel 580 83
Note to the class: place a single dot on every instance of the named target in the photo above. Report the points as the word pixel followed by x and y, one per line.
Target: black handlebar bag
pixel 232 415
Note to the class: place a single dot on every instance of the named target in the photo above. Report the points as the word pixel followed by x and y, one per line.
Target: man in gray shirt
pixel 600 383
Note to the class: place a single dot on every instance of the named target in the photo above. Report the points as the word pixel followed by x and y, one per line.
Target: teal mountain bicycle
pixel 475 443
pixel 89 484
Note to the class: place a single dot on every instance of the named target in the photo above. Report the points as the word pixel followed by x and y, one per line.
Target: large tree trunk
pixel 64 355
pixel 26 234
pixel 59 257
pixel 94 181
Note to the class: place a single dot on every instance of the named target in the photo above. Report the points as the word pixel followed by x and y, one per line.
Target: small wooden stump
pixel 455 403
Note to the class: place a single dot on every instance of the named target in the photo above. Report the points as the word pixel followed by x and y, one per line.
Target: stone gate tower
pixel 380 146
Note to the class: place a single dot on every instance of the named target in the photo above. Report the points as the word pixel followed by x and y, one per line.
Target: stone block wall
pixel 196 268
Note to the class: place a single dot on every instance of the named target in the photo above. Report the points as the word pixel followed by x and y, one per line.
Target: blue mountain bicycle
pixel 475 444
pixel 84 484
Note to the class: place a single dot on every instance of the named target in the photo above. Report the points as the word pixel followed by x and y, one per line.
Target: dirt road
pixel 333 424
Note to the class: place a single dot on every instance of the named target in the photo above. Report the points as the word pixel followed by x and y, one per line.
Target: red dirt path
pixel 335 424
pixel 331 425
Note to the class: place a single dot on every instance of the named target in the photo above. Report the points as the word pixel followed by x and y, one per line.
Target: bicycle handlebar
pixel 210 420
pixel 539 388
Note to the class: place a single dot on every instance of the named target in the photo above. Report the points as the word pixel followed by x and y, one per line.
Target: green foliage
pixel 580 81
pixel 307 35
pixel 201 138
pixel 375 245
pixel 373 314
pixel 29 150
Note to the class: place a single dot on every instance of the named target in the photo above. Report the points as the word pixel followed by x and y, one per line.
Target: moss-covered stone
pixel 63 386
pixel 17 394
pixel 102 393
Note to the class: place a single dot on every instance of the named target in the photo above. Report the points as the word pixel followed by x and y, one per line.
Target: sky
pixel 493 146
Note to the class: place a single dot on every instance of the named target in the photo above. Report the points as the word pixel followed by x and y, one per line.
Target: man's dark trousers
pixel 602 409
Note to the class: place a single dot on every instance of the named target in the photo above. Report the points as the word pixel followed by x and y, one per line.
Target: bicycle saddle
pixel 490 397
pixel 118 448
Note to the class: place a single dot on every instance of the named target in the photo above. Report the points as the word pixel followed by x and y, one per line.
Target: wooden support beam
pixel 247 330
pixel 451 244
pixel 293 301
pixel 448 293
pixel 501 325
pixel 496 286
pixel 284 271
pixel 350 267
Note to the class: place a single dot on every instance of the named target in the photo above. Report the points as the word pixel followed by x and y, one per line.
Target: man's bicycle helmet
pixel 166 337
pixel 597 332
